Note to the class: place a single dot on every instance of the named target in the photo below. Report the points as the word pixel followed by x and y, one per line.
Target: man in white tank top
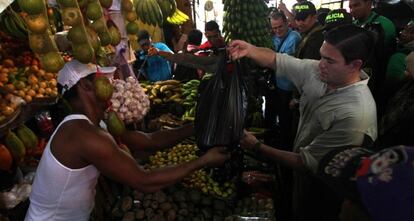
pixel 79 150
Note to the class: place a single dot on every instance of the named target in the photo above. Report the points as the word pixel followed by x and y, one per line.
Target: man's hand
pixel 152 51
pixel 248 141
pixel 216 156
pixel 239 49
pixel 282 7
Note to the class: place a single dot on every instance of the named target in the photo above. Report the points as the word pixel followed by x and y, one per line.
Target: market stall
pixel 38 38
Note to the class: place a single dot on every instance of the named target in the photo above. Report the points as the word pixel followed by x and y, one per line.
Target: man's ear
pixel 356 65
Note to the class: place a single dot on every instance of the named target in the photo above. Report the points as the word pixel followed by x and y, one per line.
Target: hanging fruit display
pixel 40 36
pixel 149 12
pixel 237 24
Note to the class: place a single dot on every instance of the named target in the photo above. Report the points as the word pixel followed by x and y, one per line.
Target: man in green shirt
pixel 362 12
pixel 384 31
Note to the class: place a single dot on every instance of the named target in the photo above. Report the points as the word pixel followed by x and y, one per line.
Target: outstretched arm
pixel 286 158
pixel 158 140
pixel 264 57
pixel 101 151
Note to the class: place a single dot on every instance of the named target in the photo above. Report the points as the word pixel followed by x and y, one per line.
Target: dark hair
pixel 212 26
pixel 278 15
pixel 353 42
pixel 322 13
pixel 195 36
pixel 72 93
pixel 143 35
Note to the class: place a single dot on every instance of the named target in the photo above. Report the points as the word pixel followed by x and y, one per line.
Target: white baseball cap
pixel 74 70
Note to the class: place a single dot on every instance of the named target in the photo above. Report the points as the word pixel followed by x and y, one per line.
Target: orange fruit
pixel 21 93
pixel 32 79
pixel 28 98
pixel 6 159
pixel 41 91
pixel 42 84
pixel 48 90
pixel 31 92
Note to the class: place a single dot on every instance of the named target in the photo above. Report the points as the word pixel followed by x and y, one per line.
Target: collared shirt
pixel 286 45
pixel 328 120
pixel 158 68
pixel 386 24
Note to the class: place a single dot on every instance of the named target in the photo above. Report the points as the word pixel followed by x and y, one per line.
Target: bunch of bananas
pixel 178 18
pixel 163 91
pixel 185 152
pixel 168 7
pixel 190 101
pixel 239 24
pixel 13 24
pixel 149 12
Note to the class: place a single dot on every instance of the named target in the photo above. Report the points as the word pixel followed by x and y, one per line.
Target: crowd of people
pixel 344 103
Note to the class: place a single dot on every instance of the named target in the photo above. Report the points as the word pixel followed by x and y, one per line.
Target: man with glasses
pixel 285 41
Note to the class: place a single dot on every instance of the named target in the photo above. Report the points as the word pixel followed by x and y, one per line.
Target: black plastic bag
pixel 221 108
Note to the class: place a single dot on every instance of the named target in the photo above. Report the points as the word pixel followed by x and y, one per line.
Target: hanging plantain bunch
pixel 248 21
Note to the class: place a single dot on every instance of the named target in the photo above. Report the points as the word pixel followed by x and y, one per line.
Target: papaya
pixel 52 62
pixel 37 23
pixel 115 35
pixel 16 146
pixel 6 159
pixel 32 7
pixel 115 125
pixel 94 11
pixel 127 5
pixel 77 35
pixel 93 39
pixel 132 28
pixel 105 38
pixel 84 53
pixel 71 16
pixel 103 88
pixel 131 16
pixel 99 26
pixel 38 43
pixel 27 136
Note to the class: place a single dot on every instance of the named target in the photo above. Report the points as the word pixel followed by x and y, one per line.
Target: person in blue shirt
pixel 285 41
pixel 152 66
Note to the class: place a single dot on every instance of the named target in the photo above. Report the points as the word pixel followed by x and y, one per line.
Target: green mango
pixel 115 125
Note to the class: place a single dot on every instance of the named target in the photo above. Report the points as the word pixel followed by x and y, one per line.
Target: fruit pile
pixel 185 152
pixel 173 203
pixel 41 39
pixel 163 91
pixel 18 146
pixel 23 83
pixel 86 40
pixel 190 99
pixel 238 24
pixel 129 100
